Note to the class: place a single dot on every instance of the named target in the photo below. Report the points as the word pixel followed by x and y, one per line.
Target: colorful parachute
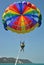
pixel 21 17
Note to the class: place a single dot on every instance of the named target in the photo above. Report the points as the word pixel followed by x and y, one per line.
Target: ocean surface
pixel 19 64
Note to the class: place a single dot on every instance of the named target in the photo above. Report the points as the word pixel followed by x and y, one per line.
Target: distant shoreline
pixel 12 60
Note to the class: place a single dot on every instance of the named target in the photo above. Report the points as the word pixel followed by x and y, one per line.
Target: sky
pixel 34 41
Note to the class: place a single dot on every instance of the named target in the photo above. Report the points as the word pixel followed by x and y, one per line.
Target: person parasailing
pixel 22 45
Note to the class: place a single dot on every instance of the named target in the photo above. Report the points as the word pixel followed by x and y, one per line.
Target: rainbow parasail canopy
pixel 21 17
